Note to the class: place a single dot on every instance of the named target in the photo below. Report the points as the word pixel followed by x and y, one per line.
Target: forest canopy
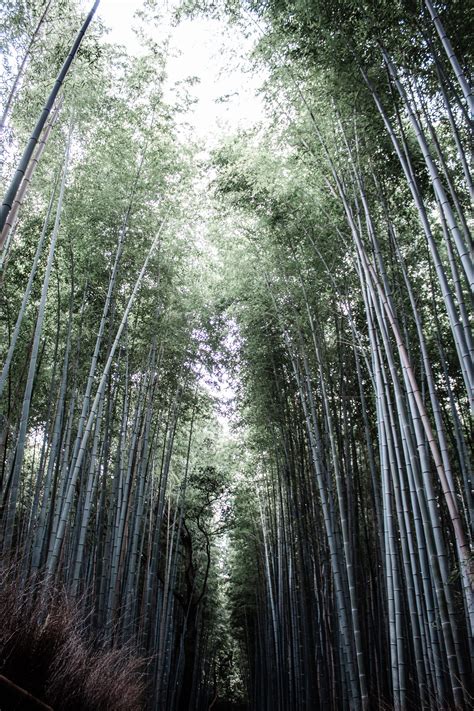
pixel 236 371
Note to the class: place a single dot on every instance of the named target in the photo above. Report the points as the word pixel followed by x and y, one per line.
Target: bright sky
pixel 204 48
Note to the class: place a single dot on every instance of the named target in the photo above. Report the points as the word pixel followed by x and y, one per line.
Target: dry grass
pixel 45 649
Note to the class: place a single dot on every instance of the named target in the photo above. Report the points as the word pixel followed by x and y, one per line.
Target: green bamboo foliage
pixel 21 69
pixel 101 485
pixel 352 368
pixel 325 547
pixel 35 137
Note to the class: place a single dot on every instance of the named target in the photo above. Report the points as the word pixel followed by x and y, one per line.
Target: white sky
pixel 204 48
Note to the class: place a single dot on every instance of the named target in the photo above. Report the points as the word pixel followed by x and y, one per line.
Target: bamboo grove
pixel 101 491
pixel 355 211
pixel 320 556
